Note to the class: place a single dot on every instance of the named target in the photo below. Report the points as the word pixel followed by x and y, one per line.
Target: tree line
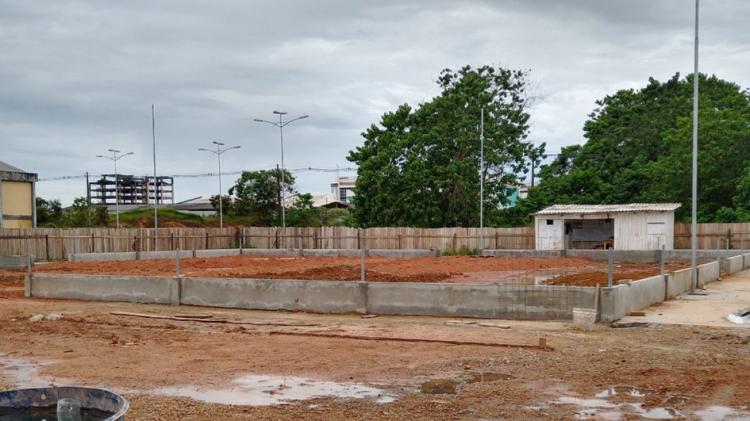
pixel 420 165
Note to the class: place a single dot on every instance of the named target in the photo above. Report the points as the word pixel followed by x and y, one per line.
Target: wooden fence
pixel 712 236
pixel 57 243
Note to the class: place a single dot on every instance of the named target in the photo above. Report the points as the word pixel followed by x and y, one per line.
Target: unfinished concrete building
pixel 111 189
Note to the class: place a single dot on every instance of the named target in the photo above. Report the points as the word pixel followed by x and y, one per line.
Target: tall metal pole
pixel 156 183
pixel 281 124
pixel 117 192
pixel 283 177
pixel 218 153
pixel 694 210
pixel 221 201
pixel 481 182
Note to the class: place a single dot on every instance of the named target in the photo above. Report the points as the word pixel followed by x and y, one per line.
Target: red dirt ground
pixel 459 269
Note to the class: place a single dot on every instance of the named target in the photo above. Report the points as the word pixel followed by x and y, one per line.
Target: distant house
pixel 17 197
pixel 200 205
pixel 633 226
pixel 515 193
pixel 343 189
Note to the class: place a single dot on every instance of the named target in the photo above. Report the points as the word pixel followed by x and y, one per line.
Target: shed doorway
pixel 596 234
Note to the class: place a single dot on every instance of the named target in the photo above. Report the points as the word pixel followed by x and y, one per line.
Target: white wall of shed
pixel 631 231
pixel 549 237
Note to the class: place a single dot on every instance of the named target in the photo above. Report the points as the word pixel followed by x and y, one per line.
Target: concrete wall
pixel 638 256
pixel 13 262
pixel 620 300
pixel 134 289
pixel 429 299
pixel 532 302
pixel 549 236
pixel 263 294
pixel 148 255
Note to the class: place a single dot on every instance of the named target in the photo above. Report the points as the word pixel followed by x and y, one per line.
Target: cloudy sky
pixel 79 77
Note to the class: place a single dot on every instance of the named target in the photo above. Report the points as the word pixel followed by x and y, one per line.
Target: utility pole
pixel 218 153
pixel 156 183
pixel 694 210
pixel 281 124
pixel 481 181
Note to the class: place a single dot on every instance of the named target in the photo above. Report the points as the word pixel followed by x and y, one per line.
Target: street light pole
pixel 281 124
pixel 116 157
pixel 218 153
pixel 481 183
pixel 694 210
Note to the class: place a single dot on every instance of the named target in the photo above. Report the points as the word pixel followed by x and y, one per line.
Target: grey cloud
pixel 78 77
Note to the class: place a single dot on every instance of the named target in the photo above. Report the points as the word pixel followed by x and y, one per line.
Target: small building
pixel 17 197
pixel 634 226
pixel 343 189
pixel 200 206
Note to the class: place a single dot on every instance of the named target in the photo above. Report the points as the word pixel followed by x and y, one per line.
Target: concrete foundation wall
pixel 13 262
pixel 620 300
pixel 636 256
pixel 134 289
pixel 735 264
pixel 679 282
pixel 261 294
pixel 529 302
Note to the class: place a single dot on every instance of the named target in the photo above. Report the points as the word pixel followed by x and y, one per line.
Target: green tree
pixel 256 195
pixel 226 203
pixel 48 212
pixel 420 166
pixel 81 214
pixel 302 213
pixel 638 149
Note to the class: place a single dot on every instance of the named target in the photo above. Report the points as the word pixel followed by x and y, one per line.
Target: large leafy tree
pixel 256 195
pixel 420 166
pixel 638 149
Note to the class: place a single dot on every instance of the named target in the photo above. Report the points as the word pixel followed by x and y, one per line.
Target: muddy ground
pixel 463 269
pixel 673 368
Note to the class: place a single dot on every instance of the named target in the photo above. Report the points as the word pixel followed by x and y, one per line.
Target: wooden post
pixel 46 246
pixel 206 239
pixel 93 245
pixel 455 242
pixel 497 240
pixel 359 238
pixel 171 241
pixel 399 242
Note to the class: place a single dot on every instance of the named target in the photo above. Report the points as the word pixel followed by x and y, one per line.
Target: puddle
pixel 260 390
pixel 628 391
pixel 601 408
pixel 22 373
pixel 721 413
pixel 439 387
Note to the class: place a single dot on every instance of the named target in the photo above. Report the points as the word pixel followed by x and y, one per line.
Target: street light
pixel 116 156
pixel 281 124
pixel 218 153
pixel 694 193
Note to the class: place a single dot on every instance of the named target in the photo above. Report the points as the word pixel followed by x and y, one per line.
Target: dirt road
pixel 158 363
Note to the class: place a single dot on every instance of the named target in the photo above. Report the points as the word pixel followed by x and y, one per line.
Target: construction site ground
pixel 458 269
pixel 653 370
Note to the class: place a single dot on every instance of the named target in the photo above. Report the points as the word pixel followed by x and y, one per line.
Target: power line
pixel 210 174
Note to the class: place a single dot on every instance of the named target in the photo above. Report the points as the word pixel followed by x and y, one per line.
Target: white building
pixel 343 189
pixel 634 226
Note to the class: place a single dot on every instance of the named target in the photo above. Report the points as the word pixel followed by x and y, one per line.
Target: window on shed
pixel 550 222
pixel 656 228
